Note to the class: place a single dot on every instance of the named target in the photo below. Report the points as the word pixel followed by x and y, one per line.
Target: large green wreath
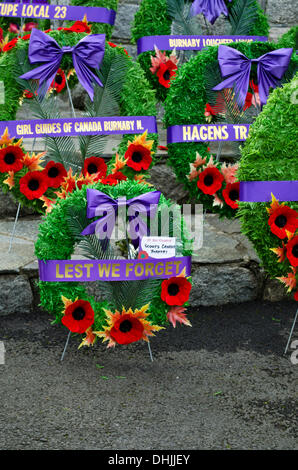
pixel 152 19
pixel 182 108
pixel 270 154
pixel 58 237
pixel 136 97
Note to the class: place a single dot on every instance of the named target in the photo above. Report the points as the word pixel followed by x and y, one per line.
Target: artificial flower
pixel 11 159
pixel 162 58
pixel 283 219
pixel 78 316
pixel 292 251
pixel 13 28
pixel 10 180
pixel 68 184
pixel 121 47
pixel 118 164
pixel 229 172
pixel 176 290
pixel 55 172
pixel 209 112
pixel 176 314
pixel 34 184
pixel 138 153
pixel 10 45
pixel 210 180
pixel 59 82
pixel 90 338
pixel 290 280
pixel 48 203
pixel 5 138
pixel 166 72
pixel 33 162
pixel 231 194
pixel 127 327
pixel 113 179
pixel 95 165
pixel 29 26
pixel 280 252
pixel 296 296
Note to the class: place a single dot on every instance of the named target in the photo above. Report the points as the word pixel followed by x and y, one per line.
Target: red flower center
pixel 9 158
pixel 125 326
pixel 234 195
pixel 173 289
pixel 92 168
pixel 281 221
pixel 79 313
pixel 33 185
pixel 208 180
pixel 53 172
pixel 137 157
pixel 295 251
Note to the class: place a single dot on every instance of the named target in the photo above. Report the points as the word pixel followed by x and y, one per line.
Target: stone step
pixel 226 270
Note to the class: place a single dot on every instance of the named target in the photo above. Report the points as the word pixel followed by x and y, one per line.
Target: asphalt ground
pixel 222 384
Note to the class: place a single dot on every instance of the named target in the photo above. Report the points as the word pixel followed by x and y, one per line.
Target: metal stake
pixel 150 352
pixel 219 150
pixel 65 347
pixel 291 333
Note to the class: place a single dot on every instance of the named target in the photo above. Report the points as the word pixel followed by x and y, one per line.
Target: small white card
pixel 159 247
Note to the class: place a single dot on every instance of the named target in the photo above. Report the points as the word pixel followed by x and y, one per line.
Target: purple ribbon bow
pixel 100 204
pixel 236 67
pixel 211 9
pixel 88 53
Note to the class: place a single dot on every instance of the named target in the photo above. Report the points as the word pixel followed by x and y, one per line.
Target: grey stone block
pixel 15 295
pixel 124 19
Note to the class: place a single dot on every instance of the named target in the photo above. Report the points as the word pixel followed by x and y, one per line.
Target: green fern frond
pixel 242 16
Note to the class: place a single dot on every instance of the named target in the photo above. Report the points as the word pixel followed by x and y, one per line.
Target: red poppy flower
pixel 138 157
pixel 79 27
pixel 78 316
pixel 283 219
pixel 210 180
pixel 127 330
pixel 47 31
pixel 292 251
pixel 296 296
pixel 166 72
pixel 13 28
pixel 11 159
pixel 115 45
pixel 10 45
pixel 29 26
pixel 34 184
pixel 55 172
pixel 114 178
pixel 175 291
pixel 59 82
pixel 94 165
pixel 1 34
pixel 26 37
pixel 231 194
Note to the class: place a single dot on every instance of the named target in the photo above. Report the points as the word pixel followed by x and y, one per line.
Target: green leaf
pixel 242 16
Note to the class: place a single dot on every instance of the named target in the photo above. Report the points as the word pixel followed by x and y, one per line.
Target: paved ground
pixel 222 384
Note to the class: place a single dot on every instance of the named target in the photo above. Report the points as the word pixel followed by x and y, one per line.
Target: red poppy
pixel 1 34
pixel 210 180
pixel 11 159
pixel 93 165
pixel 127 330
pixel 34 184
pixel 13 28
pixel 59 82
pixel 138 157
pixel 26 37
pixel 175 291
pixel 283 219
pixel 29 26
pixel 296 296
pixel 231 194
pixel 48 31
pixel 79 27
pixel 115 45
pixel 55 173
pixel 10 45
pixel 79 316
pixel 166 72
pixel 114 178
pixel 292 251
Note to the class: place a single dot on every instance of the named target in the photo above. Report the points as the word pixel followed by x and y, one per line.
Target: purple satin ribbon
pixel 112 270
pixel 100 204
pixel 211 9
pixel 235 68
pixel 261 191
pixel 88 53
pixel 55 12
pixel 190 43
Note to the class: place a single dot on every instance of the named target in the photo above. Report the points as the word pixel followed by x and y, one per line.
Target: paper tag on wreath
pixel 158 247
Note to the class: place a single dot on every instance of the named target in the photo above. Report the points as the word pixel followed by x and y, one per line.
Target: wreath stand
pixel 291 332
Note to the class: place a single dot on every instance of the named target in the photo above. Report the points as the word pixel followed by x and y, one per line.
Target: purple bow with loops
pixel 236 67
pixel 211 9
pixel 87 54
pixel 100 204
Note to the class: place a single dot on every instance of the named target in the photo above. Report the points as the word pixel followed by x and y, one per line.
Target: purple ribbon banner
pixel 57 12
pixel 112 270
pixel 207 133
pixel 80 126
pixel 261 191
pixel 190 43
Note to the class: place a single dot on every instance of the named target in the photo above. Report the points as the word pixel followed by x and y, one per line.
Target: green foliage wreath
pixel 59 235
pixel 126 92
pixel 270 154
pixel 198 76
pixel 153 19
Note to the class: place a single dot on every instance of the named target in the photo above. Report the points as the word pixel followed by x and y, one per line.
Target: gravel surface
pixel 222 384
